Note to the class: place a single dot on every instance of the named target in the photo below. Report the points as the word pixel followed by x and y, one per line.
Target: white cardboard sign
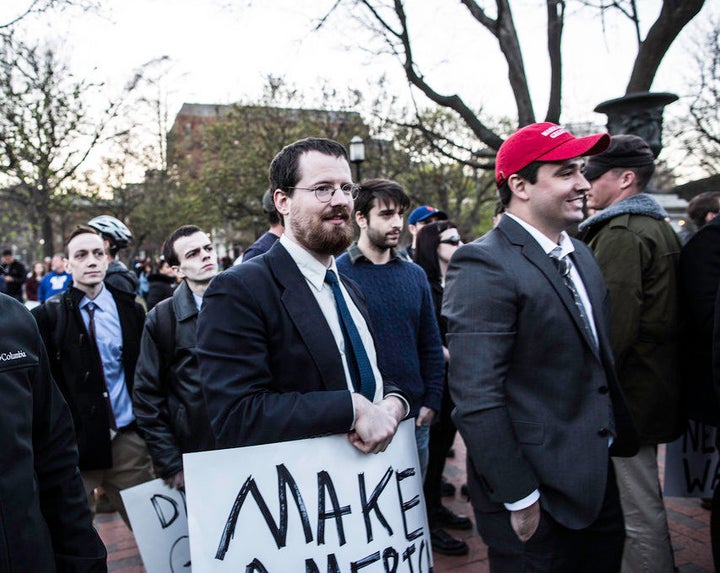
pixel 316 505
pixel 159 520
pixel 692 464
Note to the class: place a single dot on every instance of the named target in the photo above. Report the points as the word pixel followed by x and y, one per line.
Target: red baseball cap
pixel 543 142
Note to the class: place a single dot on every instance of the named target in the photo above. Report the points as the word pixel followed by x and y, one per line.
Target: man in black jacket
pixel 45 524
pixel 92 333
pixel 15 274
pixel 699 276
pixel 167 397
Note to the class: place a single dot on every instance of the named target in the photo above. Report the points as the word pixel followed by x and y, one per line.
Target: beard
pixel 381 240
pixel 319 237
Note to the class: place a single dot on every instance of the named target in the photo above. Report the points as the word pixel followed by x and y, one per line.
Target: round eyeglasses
pixel 325 191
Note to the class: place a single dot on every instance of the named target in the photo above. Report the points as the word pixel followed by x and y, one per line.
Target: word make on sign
pixel 333 508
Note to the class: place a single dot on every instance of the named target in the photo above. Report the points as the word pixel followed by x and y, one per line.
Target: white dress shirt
pixel 108 336
pixel 314 273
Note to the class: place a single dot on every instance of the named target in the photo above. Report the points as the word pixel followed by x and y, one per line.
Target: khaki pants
pixel 647 538
pixel 131 466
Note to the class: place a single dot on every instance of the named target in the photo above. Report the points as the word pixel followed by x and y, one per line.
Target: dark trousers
pixel 442 436
pixel 555 548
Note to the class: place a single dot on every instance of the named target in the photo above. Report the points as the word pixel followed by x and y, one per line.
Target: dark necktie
pixel 563 267
pixel 361 372
pixel 90 307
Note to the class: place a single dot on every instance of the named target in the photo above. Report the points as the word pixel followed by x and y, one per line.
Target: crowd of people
pixel 556 357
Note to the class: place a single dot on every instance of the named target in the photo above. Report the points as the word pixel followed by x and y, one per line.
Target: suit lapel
pixel 532 251
pixel 304 311
pixel 594 286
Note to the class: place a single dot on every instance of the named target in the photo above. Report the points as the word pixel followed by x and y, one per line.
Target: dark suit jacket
pixel 269 365
pixel 699 275
pixel 534 396
pixel 77 369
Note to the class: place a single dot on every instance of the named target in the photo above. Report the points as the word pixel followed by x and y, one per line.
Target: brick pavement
pixel 689 528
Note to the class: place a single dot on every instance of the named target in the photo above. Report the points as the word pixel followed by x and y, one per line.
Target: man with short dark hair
pixel 703 208
pixel 168 399
pixel 92 333
pixel 268 238
pixel 402 312
pixel 284 345
pixel 531 368
pixel 638 253
pixel 14 275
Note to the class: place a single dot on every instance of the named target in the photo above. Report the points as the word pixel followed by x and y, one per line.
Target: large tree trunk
pixel 47 233
pixel 556 19
pixel 675 14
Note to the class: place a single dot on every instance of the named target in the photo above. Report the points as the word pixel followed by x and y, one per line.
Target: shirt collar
pixel 101 301
pixel 565 244
pixel 355 254
pixel 312 269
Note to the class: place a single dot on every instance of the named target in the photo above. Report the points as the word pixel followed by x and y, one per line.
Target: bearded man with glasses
pixel 284 342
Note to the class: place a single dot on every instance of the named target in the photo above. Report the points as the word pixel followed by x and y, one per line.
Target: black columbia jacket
pixel 45 523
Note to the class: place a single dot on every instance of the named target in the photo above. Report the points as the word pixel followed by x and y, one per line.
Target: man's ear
pixel 518 186
pixel 360 219
pixel 178 272
pixel 282 202
pixel 627 178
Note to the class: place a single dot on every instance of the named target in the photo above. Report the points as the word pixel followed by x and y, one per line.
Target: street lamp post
pixel 357 155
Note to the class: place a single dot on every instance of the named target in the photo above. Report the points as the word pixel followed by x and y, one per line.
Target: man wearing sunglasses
pixel 531 368
pixel 284 343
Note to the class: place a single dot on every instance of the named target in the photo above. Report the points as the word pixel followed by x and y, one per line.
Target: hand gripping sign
pixel 316 505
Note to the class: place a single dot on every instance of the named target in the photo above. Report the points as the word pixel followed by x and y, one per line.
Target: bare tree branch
pixel 556 20
pixel 675 14
pixel 504 30
pixel 453 102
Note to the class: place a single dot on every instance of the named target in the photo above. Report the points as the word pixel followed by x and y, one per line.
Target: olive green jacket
pixel 638 252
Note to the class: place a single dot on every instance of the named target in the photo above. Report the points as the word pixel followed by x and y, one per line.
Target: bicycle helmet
pixel 113 230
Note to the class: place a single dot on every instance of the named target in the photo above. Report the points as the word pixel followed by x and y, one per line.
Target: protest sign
pixel 158 516
pixel 316 505
pixel 691 463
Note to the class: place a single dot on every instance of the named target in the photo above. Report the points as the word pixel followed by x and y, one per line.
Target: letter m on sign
pixel 279 532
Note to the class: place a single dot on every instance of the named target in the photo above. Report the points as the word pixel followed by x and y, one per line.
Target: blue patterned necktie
pixel 361 373
pixel 563 267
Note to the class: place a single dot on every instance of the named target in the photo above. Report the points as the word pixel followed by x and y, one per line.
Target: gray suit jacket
pixel 536 400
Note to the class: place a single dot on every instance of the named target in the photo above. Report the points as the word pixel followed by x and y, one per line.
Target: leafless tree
pixel 47 131
pixel 699 131
pixel 42 6
pixel 388 19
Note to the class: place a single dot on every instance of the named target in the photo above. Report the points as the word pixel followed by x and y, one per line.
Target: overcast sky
pixel 222 50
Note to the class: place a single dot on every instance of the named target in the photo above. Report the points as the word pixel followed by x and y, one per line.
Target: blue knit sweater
pixel 403 317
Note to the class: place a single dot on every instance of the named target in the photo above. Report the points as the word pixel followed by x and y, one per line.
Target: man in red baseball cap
pixel 531 371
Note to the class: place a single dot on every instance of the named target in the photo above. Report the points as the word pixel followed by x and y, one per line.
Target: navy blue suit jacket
pixel 270 368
